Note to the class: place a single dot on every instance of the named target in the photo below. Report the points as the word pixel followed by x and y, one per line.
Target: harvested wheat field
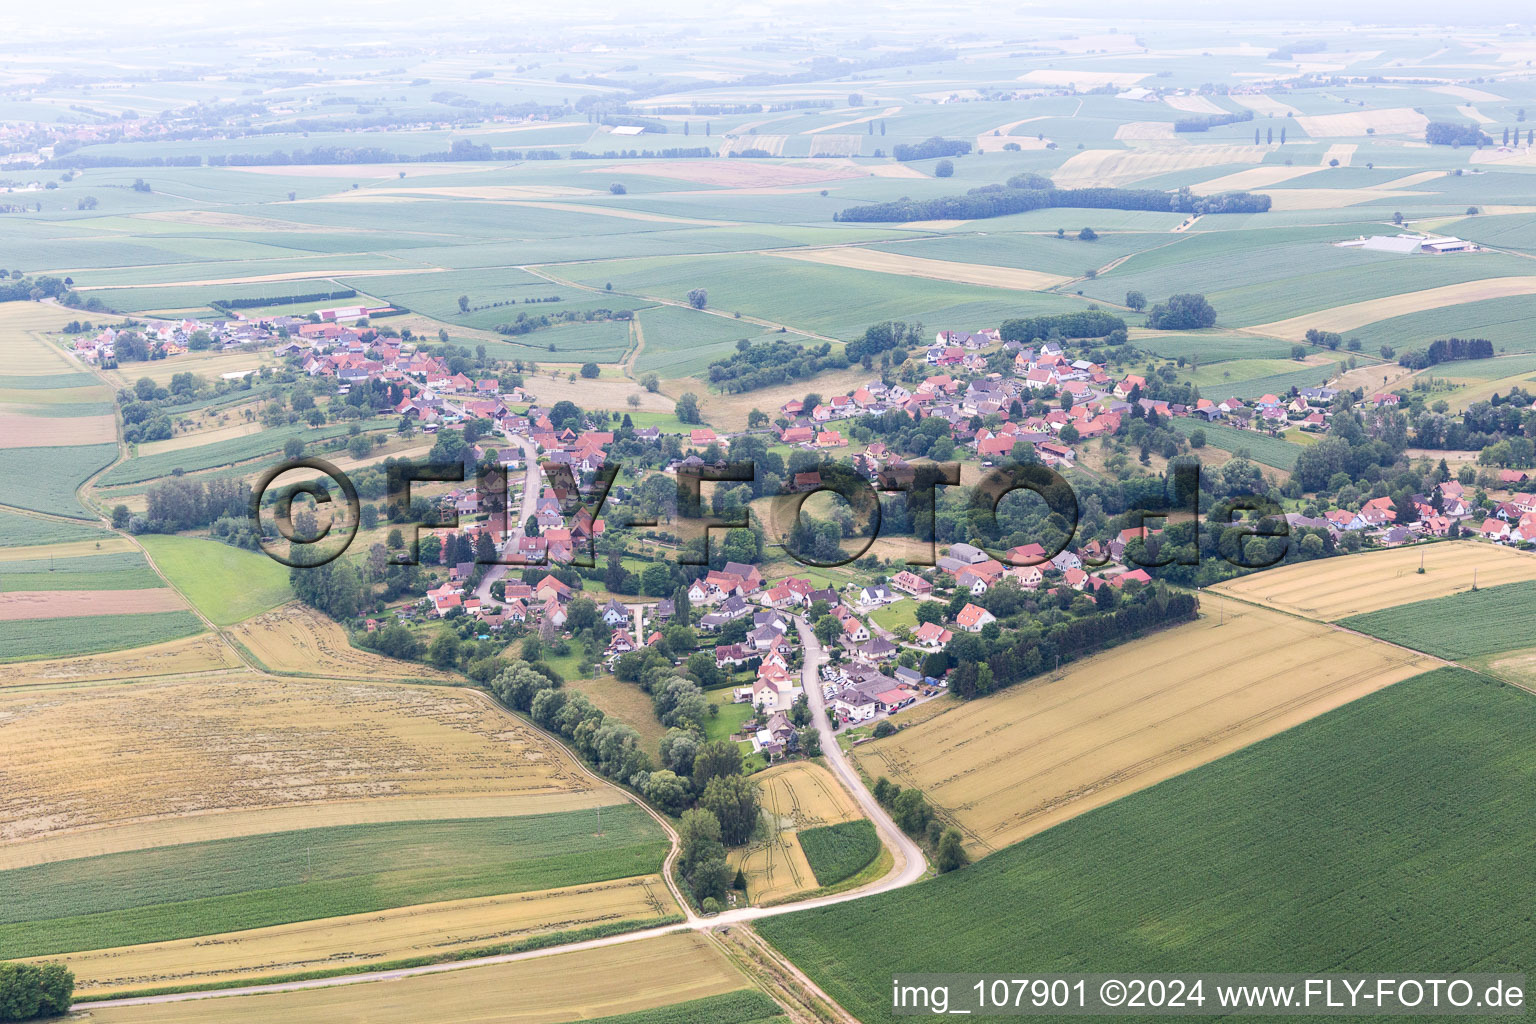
pixel 1329 198
pixel 541 989
pixel 1466 92
pixel 1392 121
pixel 428 929
pixel 773 145
pixel 193 438
pixel 205 653
pixel 1194 105
pixel 856 258
pixel 993 141
pixel 888 112
pixel 1263 104
pixel 27 353
pixel 1095 167
pixel 795 796
pixel 58 604
pixel 1253 178
pixel 1343 152
pixel 204 364
pixel 297 639
pixel 1336 588
pixel 98 757
pixel 1013 764
pixel 1358 314
pixel 18 430
pixel 1410 180
pixel 110 542
pixel 596 394
pixel 1145 131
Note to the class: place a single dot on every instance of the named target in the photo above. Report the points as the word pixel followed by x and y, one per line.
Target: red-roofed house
pixel 972 617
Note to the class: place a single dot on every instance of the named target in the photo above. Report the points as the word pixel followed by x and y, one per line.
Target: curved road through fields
pixel 910 866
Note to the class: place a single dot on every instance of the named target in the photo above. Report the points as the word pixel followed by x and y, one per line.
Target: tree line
pixel 1205 122
pixel 760 366
pixel 1090 323
pixel 1446 350
pixel 995 659
pixel 1024 193
pixel 283 300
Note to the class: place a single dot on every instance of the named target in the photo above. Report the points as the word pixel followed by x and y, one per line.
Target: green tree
pixel 1136 301
pixel 30 991
pixel 944 169
pixel 664 789
pixel 698 298
pixel 590 370
pixel 950 852
pixel 121 517
pixel 463 303
pixel 698 839
pixel 1087 235
pixel 1184 312
pixel 715 759
pixel 911 811
pixel 810 741
pixel 444 651
pixel 687 409
pixel 733 800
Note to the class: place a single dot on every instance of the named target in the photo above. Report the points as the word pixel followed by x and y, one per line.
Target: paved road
pixel 532 480
pixel 910 866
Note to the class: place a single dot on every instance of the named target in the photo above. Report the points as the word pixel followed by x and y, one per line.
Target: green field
pixel 1394 830
pixel 227 584
pixel 681 341
pixel 18 530
pixel 116 570
pixel 233 884
pixel 833 301
pixel 1215 347
pixel 894 616
pixel 45 479
pixel 1253 378
pixel 47 381
pixel 1271 451
pixel 224 453
pixel 57 638
pixel 1509 323
pixel 1504 617
pixel 836 852
pixel 748 1006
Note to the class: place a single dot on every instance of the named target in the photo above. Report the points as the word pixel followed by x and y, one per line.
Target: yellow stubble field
pixel 87 759
pixel 203 653
pixel 883 262
pixel 1336 588
pixel 429 929
pixel 601 982
pixel 795 796
pixel 297 639
pixel 1010 765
